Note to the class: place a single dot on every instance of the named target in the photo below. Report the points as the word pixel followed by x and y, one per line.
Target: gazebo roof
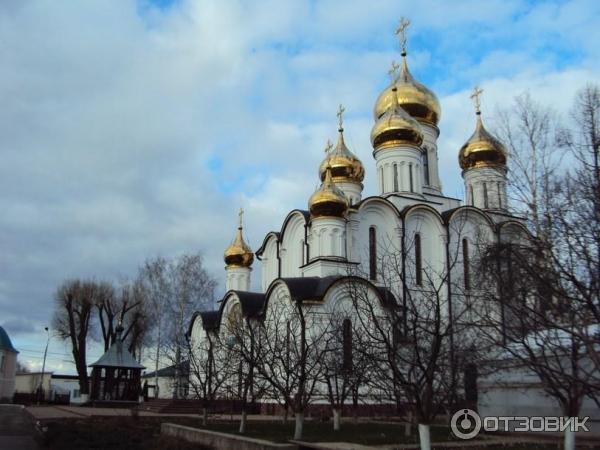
pixel 117 356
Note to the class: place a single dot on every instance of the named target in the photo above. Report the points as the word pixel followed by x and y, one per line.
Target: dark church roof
pixel 117 356
pixel 169 372
pixel 5 343
pixel 252 302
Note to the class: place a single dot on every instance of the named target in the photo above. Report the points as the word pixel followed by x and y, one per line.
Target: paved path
pixel 16 429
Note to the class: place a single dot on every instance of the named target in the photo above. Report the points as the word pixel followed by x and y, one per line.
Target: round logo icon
pixel 465 424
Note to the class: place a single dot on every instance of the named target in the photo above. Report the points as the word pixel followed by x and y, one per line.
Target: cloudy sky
pixel 136 128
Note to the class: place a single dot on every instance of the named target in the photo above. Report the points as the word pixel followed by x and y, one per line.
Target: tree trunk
pixel 569 439
pixel 205 416
pixel 424 436
pixel 408 424
pixel 299 425
pixel 285 414
pixel 336 419
pixel 243 422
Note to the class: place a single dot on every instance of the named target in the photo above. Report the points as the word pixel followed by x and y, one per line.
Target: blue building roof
pixel 5 343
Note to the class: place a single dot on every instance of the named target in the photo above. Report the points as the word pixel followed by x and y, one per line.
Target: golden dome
pixel 482 149
pixel 239 254
pixel 345 166
pixel 328 200
pixel 396 127
pixel 414 97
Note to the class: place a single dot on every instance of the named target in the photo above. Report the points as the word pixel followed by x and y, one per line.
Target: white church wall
pixel 270 263
pixel 291 249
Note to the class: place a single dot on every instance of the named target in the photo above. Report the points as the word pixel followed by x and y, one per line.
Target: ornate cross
pixel 393 72
pixel 328 146
pixel 401 32
pixel 241 214
pixel 340 117
pixel 476 97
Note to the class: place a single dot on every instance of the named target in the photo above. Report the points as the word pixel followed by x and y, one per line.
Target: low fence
pixel 222 441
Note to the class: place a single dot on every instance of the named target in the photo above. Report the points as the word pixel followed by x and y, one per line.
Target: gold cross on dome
pixel 476 97
pixel 401 32
pixel 241 215
pixel 328 146
pixel 393 72
pixel 340 114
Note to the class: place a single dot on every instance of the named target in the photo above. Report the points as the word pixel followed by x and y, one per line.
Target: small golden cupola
pixel 414 97
pixel 328 200
pixel 239 254
pixel 395 127
pixel 482 149
pixel 345 166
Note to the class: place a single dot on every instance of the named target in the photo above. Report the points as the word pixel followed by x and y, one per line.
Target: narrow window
pixel 471 199
pixel 499 195
pixel 467 277
pixel 485 196
pixel 426 166
pixel 410 177
pixel 381 179
pixel 302 252
pixel 418 262
pixel 395 177
pixel 372 254
pixel 347 345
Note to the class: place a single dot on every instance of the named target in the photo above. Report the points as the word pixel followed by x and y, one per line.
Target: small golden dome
pixel 414 97
pixel 345 166
pixel 482 149
pixel 239 254
pixel 328 200
pixel 396 127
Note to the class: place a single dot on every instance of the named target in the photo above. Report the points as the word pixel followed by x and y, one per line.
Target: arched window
pixel 426 166
pixel 347 345
pixel 395 177
pixel 471 199
pixel 410 178
pixel 372 254
pixel 485 196
pixel 418 261
pixel 381 185
pixel 301 252
pixel 466 263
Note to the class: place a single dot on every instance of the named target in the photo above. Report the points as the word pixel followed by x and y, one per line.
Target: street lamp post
pixel 41 388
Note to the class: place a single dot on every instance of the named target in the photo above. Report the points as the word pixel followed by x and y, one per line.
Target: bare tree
pixel 416 326
pixel 549 282
pixel 289 358
pixel 73 319
pixel 345 359
pixel 245 336
pixel 210 368
pixel 175 289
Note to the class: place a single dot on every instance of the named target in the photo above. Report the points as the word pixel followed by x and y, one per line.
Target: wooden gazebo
pixel 116 375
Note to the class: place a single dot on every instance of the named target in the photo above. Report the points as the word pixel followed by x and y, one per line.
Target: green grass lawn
pixel 125 433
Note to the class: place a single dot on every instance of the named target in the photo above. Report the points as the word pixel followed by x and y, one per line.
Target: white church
pixel 344 233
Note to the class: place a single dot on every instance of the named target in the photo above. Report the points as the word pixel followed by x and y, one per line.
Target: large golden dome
pixel 328 200
pixel 239 254
pixel 345 166
pixel 396 127
pixel 482 149
pixel 414 97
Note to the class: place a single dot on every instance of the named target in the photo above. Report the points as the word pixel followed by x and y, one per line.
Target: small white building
pixel 66 385
pixel 161 383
